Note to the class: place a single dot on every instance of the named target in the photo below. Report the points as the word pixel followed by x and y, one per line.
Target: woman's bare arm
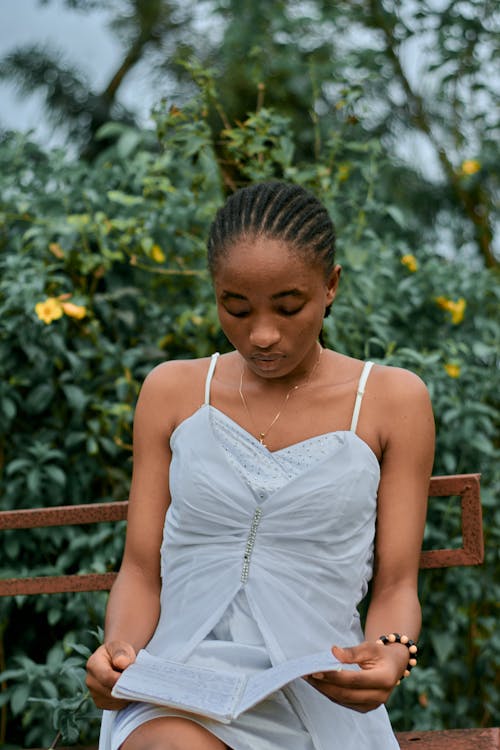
pixel 407 437
pixel 134 603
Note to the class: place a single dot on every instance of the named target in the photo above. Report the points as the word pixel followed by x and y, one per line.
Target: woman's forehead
pixel 270 276
pixel 262 257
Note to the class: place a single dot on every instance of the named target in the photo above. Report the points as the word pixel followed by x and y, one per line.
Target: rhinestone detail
pixel 250 544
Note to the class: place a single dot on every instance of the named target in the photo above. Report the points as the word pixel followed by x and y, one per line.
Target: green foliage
pixel 123 241
pixel 58 686
pixel 417 76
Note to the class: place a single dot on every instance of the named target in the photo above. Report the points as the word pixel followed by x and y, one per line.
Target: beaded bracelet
pixel 410 645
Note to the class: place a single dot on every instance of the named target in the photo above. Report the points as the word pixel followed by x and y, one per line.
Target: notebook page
pixel 211 692
pixel 264 683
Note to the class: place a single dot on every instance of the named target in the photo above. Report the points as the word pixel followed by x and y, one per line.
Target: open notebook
pixel 219 694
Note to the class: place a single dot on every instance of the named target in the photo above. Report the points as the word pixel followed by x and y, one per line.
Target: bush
pixel 103 276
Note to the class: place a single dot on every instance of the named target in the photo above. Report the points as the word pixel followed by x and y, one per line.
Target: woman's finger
pixel 359 700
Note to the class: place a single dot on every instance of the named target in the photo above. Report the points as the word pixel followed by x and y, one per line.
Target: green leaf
pixel 92 446
pixel 398 216
pixel 39 398
pixel 110 130
pixel 128 142
pixel 123 199
pixel 9 408
pixel 81 649
pixel 79 221
pixel 76 397
pixel 19 698
pixel 12 547
pixel 17 466
pixel 55 475
pixel 33 481
pixel 54 615
pixel 49 688
pixel 11 674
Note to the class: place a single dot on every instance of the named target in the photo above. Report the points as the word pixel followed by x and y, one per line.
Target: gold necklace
pixel 261 435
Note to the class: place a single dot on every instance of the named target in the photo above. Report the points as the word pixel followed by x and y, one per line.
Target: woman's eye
pixel 237 313
pixel 290 312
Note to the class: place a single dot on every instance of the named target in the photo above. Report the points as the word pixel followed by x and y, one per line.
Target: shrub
pixel 103 276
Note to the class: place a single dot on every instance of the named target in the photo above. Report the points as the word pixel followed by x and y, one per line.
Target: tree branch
pixel 471 202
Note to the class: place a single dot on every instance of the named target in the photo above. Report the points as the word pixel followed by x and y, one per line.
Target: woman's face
pixel 271 302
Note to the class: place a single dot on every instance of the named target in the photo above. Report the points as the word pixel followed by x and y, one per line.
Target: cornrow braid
pixel 277 210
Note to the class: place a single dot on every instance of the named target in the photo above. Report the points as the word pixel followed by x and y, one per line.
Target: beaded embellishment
pixel 250 544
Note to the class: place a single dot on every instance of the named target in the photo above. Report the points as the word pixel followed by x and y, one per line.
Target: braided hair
pixel 279 211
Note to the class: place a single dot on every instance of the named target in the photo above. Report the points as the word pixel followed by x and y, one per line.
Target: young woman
pixel 260 478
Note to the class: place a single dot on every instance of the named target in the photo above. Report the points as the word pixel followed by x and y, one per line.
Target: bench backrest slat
pixel 466 486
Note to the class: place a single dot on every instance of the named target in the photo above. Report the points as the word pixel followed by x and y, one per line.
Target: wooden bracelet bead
pixel 412 647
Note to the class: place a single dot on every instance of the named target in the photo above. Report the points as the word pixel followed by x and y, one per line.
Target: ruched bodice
pixel 311 552
pixel 256 572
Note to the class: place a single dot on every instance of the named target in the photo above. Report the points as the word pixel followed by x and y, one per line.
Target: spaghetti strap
pixel 359 395
pixel 211 369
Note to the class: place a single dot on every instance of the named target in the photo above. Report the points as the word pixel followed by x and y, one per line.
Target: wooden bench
pixel 464 486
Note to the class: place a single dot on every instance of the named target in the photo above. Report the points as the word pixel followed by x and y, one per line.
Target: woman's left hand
pixel 366 689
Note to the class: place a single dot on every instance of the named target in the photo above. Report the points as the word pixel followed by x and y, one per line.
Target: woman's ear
pixel 332 284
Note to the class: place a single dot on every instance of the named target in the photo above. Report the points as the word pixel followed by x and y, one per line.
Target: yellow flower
pixel 49 310
pixel 456 309
pixel 423 699
pixel 443 303
pixel 56 249
pixel 452 370
pixel 410 262
pixel 157 254
pixel 470 166
pixel 344 171
pixel 74 311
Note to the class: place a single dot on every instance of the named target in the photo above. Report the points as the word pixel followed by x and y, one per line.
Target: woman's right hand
pixel 104 668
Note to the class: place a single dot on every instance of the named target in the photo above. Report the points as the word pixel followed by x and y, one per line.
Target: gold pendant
pixel 262 435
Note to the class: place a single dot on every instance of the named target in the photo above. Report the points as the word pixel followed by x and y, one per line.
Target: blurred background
pixel 123 125
pixel 428 77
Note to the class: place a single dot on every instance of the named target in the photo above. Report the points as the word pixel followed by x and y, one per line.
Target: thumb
pixel 122 654
pixel 348 655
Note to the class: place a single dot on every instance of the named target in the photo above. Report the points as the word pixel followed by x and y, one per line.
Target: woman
pixel 275 462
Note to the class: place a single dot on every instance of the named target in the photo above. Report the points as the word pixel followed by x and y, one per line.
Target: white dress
pixel 265 557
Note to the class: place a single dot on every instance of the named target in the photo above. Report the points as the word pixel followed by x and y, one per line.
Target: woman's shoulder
pixel 176 373
pixel 400 404
pixel 387 378
pixel 399 376
pixel 176 382
pixel 398 383
pixel 171 391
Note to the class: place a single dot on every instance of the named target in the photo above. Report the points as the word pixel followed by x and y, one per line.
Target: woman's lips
pixel 266 357
pixel 266 361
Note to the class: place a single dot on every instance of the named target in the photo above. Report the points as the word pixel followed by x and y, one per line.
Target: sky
pixel 85 41
pixel 87 44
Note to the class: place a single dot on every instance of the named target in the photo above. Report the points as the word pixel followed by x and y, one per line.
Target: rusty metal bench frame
pixel 464 486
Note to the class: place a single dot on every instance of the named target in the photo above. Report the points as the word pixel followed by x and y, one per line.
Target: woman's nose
pixel 264 334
